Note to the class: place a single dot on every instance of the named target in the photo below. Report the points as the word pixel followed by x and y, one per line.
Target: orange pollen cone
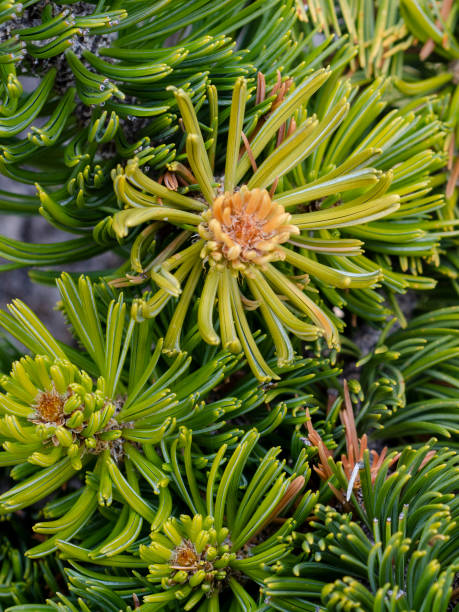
pixel 245 227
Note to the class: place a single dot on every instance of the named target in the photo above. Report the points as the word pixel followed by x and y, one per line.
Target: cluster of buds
pixel 190 559
pixel 244 228
pixel 52 409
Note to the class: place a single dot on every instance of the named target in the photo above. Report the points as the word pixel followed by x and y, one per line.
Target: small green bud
pixel 86 381
pixel 73 450
pixel 101 385
pixel 172 532
pixel 76 420
pixel 64 436
pixel 201 541
pixel 20 375
pixel 211 553
pixel 93 424
pixel 223 561
pixel 41 363
pixel 212 535
pixel 59 379
pixel 77 389
pixel 90 442
pixel 90 403
pixel 160 552
pixel 106 414
pixel 180 576
pixel 72 404
pixel 197 578
pixel 208 522
pixel 166 583
pixel 222 534
pixel 44 431
pixel 113 434
pixel 196 527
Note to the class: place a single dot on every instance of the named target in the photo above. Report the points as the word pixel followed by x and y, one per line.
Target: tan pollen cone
pixel 245 227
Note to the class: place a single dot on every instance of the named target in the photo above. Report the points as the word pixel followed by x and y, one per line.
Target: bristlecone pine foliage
pixel 257 405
